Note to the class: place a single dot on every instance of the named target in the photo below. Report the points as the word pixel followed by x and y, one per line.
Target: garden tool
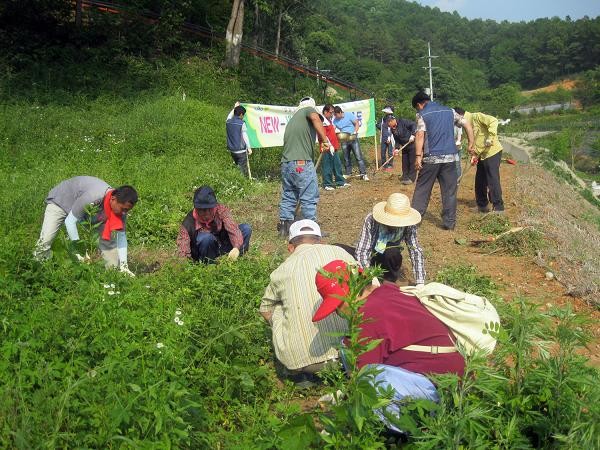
pixel 390 158
pixel 509 161
pixel 474 161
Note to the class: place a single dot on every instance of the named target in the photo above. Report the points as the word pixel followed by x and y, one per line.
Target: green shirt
pixel 300 136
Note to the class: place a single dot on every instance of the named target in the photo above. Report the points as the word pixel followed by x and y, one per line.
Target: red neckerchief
pixel 113 222
pixel 202 224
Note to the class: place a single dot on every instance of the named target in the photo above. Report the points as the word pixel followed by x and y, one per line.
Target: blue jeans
pixel 299 184
pixel 387 150
pixel 354 147
pixel 407 385
pixel 211 246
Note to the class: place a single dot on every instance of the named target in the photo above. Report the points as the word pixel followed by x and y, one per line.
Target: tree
pixel 233 36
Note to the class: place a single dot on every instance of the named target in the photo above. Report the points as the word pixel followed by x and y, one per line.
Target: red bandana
pixel 200 224
pixel 113 222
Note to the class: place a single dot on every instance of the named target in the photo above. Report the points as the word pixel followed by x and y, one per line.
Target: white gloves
pixel 234 253
pixel 83 259
pixel 249 151
pixel 375 282
pixel 411 139
pixel 124 269
pixel 488 142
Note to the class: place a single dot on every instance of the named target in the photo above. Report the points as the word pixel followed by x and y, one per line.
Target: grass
pixel 91 359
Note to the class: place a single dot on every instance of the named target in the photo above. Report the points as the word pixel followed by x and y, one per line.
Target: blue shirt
pixel 345 124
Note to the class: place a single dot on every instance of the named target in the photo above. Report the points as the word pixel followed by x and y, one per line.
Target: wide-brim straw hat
pixel 396 212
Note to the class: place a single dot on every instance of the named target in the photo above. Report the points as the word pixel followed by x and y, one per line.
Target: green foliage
pixel 526 242
pixel 468 279
pixel 493 224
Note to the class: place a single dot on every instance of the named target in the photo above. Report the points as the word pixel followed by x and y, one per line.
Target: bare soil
pixel 341 213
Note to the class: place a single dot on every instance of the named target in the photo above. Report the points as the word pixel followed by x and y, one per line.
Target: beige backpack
pixel 465 314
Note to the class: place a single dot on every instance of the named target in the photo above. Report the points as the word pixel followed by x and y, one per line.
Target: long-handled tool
pixel 396 152
pixel 248 165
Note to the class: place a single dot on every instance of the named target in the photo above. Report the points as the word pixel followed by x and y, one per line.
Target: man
pixel 414 343
pixel 348 123
pixel 488 151
pixel 209 231
pixel 436 155
pixel 237 138
pixel 387 144
pixel 404 133
pixel 291 298
pixel 298 174
pixel 380 242
pixel 66 203
pixel 331 164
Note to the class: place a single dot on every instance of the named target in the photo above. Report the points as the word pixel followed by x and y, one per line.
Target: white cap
pixel 307 101
pixel 304 227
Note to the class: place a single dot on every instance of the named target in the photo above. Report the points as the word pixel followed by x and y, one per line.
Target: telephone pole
pixel 429 57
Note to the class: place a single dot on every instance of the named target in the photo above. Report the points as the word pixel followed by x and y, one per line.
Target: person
pixel 435 155
pixel 209 231
pixel 391 223
pixel 67 202
pixel 237 138
pixel 291 299
pixel 387 139
pixel 488 152
pixel 414 343
pixel 298 174
pixel 348 123
pixel 404 133
pixel 331 166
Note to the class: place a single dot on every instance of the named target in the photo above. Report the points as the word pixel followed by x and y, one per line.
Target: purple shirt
pixel 401 320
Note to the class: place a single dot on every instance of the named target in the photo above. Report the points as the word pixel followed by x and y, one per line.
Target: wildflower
pixel 160 345
pixel 178 321
pixel 92 373
pixel 177 312
pixel 106 286
pixel 112 285
pixel 147 286
pixel 111 292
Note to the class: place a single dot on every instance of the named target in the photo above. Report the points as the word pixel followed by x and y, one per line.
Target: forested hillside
pixel 378 44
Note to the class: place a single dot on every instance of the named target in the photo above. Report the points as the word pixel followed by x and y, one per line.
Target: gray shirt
pixel 74 194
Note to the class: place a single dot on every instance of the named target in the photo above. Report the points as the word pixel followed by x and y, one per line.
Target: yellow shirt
pixel 293 299
pixel 484 127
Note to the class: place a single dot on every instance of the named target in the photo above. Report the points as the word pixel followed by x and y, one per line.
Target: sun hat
pixel 330 289
pixel 388 109
pixel 307 101
pixel 205 198
pixel 396 211
pixel 304 227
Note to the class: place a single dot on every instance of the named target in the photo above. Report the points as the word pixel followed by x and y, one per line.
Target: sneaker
pixel 345 185
pixel 329 188
pixel 365 177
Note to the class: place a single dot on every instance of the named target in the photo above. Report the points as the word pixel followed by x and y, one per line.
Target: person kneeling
pixel 209 231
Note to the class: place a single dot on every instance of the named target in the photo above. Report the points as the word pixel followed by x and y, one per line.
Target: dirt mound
pixel 567 84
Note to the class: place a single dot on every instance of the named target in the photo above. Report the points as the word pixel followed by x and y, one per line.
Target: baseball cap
pixel 205 198
pixel 330 289
pixel 304 227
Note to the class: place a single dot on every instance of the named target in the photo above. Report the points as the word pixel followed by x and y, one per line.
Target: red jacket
pixel 330 133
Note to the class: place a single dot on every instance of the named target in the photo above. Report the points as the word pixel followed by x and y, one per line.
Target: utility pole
pixel 429 56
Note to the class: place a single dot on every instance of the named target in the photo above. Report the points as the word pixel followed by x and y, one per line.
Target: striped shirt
pixel 293 299
pixel 368 239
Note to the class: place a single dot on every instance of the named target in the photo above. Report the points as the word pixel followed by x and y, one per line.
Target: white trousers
pixel 54 217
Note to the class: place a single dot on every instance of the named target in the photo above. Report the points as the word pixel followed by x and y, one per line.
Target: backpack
pixel 465 314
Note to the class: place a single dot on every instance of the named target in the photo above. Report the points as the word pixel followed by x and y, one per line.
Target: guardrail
pixel 114 8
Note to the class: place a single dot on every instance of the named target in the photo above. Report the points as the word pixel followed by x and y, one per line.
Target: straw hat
pixel 396 212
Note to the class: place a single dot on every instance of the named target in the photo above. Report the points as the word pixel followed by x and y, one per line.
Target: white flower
pixel 178 321
pixel 177 312
pixel 147 286
pixel 111 292
pixel 117 293
pixel 112 285
pixel 106 286
pixel 92 373
pixel 160 345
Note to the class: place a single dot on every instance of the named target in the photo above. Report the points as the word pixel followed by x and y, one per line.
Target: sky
pixel 517 10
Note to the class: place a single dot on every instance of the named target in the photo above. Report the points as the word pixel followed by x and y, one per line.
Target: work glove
pixel 375 282
pixel 389 139
pixel 124 269
pixel 396 151
pixel 474 160
pixel 488 142
pixel 236 104
pixel 234 253
pixel 249 151
pixel 83 259
pixel 411 138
